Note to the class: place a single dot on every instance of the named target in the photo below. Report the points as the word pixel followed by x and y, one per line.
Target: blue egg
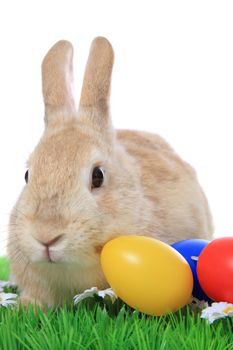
pixel 191 249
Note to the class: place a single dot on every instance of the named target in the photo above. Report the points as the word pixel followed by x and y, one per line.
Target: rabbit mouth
pixel 50 256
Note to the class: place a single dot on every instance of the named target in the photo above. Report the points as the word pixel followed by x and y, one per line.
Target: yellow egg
pixel 147 274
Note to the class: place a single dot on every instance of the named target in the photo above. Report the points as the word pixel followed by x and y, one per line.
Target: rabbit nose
pixel 52 241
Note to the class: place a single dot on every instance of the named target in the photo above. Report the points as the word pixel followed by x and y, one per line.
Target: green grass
pixel 98 325
pixel 4 269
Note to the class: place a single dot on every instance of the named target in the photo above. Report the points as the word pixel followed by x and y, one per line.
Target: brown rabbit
pixel 88 183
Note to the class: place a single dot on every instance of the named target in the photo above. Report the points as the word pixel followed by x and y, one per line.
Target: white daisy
pixel 6 299
pixel 217 310
pixel 95 291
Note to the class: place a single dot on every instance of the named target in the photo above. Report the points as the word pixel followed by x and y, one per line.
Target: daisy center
pixel 227 309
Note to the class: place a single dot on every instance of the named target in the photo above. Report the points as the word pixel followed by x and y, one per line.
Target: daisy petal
pixel 9 302
pixel 107 292
pixel 10 295
pixel 86 294
pixel 6 284
pixel 6 299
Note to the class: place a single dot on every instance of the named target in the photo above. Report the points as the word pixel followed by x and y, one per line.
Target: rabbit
pixel 88 183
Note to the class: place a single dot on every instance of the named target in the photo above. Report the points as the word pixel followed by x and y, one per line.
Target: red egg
pixel 215 269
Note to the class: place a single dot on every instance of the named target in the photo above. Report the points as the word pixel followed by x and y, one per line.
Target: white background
pixel 173 75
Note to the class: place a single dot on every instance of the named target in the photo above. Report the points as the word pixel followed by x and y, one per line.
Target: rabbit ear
pixel 97 79
pixel 57 78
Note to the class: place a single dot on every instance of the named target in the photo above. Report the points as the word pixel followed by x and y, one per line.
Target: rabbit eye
pixel 97 177
pixel 26 176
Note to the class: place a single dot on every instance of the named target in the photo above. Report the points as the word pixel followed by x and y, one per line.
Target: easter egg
pixel 190 249
pixel 147 274
pixel 215 269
